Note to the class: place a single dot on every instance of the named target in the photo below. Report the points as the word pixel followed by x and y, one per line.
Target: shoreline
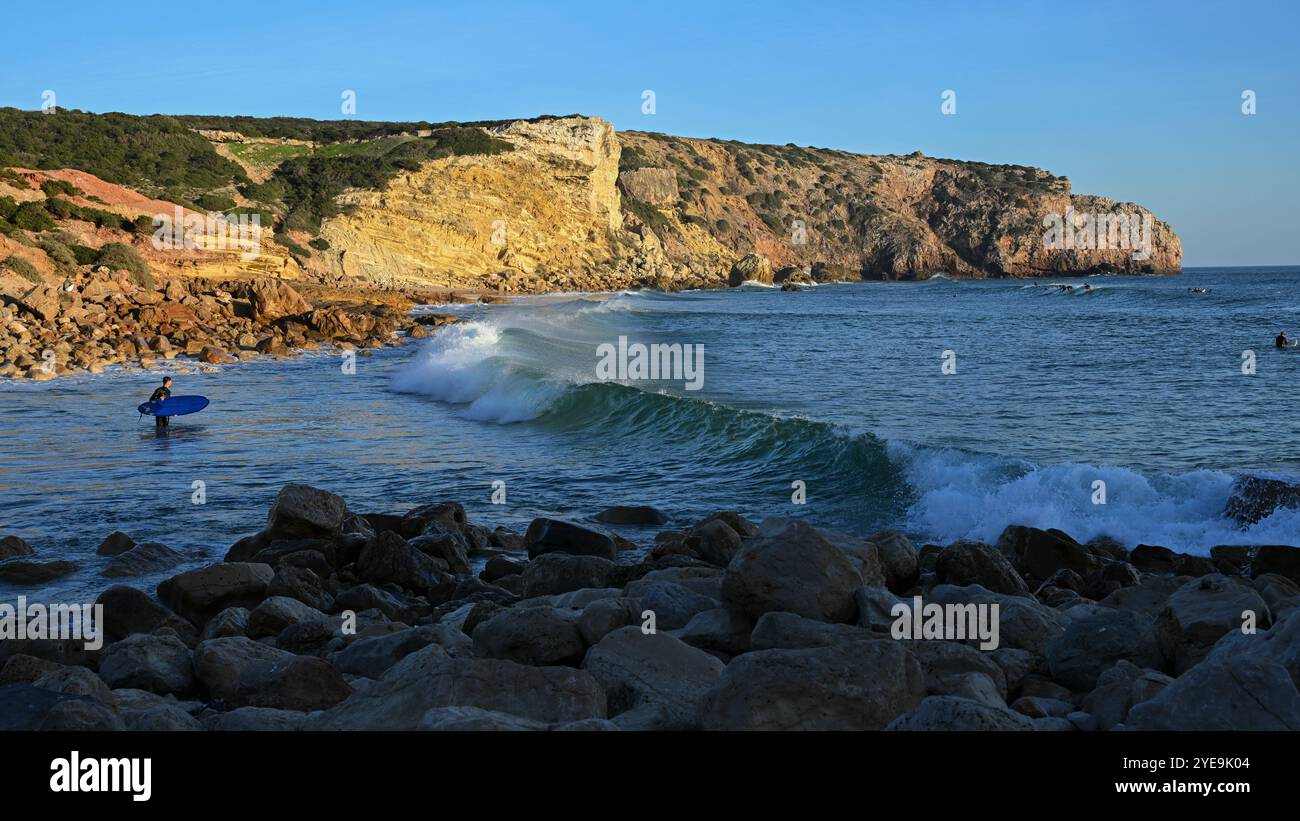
pixel 330 619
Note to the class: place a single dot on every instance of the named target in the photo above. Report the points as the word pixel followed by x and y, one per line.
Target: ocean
pixel 945 409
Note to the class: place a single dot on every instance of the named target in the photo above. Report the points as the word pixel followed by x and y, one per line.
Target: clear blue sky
pixel 1134 100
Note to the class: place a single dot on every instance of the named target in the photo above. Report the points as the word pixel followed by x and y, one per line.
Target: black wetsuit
pixel 157 396
pixel 1281 341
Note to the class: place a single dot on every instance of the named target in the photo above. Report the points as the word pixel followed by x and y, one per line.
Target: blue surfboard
pixel 174 406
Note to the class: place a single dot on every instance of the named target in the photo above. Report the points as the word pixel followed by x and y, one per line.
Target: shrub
pixel 7 208
pixel 23 268
pixel 722 226
pixel 117 256
pixel 55 188
pixel 294 248
pixel 84 253
pixel 59 253
pixel 32 216
pixel 61 209
pixel 320 244
pixel 215 202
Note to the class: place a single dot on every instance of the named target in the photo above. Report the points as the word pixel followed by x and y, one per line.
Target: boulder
pixel 603 616
pixel 948 667
pixel 128 610
pixel 1240 694
pixel 1040 553
pixel 429 678
pixel 632 515
pixel 652 681
pixel 556 536
pixel 791 567
pixel 965 563
pixel 233 621
pixel 673 604
pixel 561 573
pixel 718 631
pixel 11 546
pixel 898 559
pixel 1201 612
pixel 149 557
pixel 115 543
pixel 1023 623
pixel 1118 689
pixel 31 572
pixel 1279 559
pixel 498 567
pixel 372 657
pixel 389 559
pixel 530 635
pixel 713 540
pixel 1095 642
pixel 1253 498
pixel 24 707
pixel 853 686
pixel 790 631
pixel 303 512
pixel 950 713
pixel 276 613
pixel 301 584
pixel 272 299
pixel 157 663
pixel 444 544
pixel 244 673
pixel 750 268
pixel 75 681
pixel 200 594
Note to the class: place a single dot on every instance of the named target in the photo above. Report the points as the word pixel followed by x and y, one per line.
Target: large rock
pixel 964 563
pixel 444 544
pixel 1118 689
pixel 673 604
pixel 388 559
pixel 854 686
pixel 557 536
pixel 632 515
pixel 714 540
pixel 750 268
pixel 272 299
pixel 1238 694
pixel 25 707
pixel 149 557
pixel 789 631
pixel 1040 553
pixel 372 657
pixel 531 635
pixel 128 610
pixel 562 573
pixel 1280 559
pixel 654 186
pixel 1095 642
pixel 948 665
pixel 792 567
pixel 11 546
pixel 1280 644
pixel 718 631
pixel 897 559
pixel 160 664
pixel 302 584
pixel 200 594
pixel 1023 623
pixel 304 512
pixel 652 681
pixel 950 713
pixel 1253 498
pixel 244 673
pixel 429 678
pixel 32 571
pixel 1200 613
pixel 463 719
pixel 276 613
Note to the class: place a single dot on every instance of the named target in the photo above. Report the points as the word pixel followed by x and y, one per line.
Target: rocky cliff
pixel 571 205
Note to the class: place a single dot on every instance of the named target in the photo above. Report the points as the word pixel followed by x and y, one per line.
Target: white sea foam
pixel 965 496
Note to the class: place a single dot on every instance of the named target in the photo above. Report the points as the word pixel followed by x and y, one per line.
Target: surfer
pixel 1282 341
pixel 159 394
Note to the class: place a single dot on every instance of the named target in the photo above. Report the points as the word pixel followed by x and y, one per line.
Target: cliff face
pixel 576 206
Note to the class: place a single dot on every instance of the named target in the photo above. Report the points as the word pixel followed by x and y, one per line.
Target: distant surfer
pixel 1282 341
pixel 159 394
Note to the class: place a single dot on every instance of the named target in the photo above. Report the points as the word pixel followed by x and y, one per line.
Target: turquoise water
pixel 1137 383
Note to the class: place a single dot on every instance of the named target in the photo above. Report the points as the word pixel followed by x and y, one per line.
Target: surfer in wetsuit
pixel 159 394
pixel 1282 341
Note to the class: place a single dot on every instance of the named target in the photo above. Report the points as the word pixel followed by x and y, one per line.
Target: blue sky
pixel 1138 101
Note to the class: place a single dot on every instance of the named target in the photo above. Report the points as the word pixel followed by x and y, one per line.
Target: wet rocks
pixel 304 512
pixel 853 686
pixel 652 681
pixel 244 673
pixel 1200 612
pixel 538 636
pixel 200 594
pixel 965 563
pixel 150 557
pixel 1244 694
pixel 791 567
pixel 1253 498
pixel 114 544
pixel 156 663
pixel 11 546
pixel 632 515
pixel 33 571
pixel 1095 639
pixel 556 536
pixel 389 559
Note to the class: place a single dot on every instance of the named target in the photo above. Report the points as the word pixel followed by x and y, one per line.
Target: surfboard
pixel 174 406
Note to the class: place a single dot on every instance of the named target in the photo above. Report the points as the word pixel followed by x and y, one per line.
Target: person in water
pixel 1282 341
pixel 159 394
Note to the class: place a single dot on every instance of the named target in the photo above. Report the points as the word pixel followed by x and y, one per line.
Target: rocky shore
pixel 101 318
pixel 328 619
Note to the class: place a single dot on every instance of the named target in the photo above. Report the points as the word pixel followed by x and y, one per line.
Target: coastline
pixel 330 619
